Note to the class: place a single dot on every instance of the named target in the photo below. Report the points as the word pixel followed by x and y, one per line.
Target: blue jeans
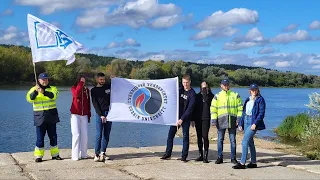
pixel 102 129
pixel 248 141
pixel 232 137
pixel 41 132
pixel 172 132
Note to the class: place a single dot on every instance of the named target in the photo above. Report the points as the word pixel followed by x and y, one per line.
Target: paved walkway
pixel 145 163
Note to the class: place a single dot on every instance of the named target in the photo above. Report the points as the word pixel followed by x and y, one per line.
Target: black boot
pixel 205 158
pixel 200 158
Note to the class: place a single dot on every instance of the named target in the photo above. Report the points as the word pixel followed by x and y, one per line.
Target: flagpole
pixel 35 73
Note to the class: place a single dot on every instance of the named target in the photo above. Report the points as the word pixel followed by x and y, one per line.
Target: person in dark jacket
pixel 100 95
pixel 251 121
pixel 186 107
pixel 80 117
pixel 43 97
pixel 202 120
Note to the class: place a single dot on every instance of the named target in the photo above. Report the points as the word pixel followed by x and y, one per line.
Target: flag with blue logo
pixel 49 43
pixel 144 101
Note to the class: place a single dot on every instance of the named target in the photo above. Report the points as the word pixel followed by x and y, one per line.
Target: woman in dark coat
pixel 201 117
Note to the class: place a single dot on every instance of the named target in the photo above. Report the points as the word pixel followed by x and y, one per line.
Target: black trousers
pixel 202 128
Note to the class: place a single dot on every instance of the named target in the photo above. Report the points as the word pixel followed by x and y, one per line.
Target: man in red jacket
pixel 80 117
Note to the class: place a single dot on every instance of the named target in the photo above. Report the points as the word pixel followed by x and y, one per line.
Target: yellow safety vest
pixel 226 109
pixel 41 102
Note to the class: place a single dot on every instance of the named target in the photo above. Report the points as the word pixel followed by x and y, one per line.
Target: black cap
pixel 253 86
pixel 225 82
pixel 43 76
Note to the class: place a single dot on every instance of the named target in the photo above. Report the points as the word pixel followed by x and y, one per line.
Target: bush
pixel 293 126
pixel 311 137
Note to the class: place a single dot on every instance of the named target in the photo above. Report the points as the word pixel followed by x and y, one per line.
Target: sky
pixel 283 36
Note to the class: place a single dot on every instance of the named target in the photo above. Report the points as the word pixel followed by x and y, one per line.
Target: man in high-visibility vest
pixel 43 97
pixel 226 110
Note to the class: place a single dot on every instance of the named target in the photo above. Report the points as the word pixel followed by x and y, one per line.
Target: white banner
pixel 144 101
pixel 49 43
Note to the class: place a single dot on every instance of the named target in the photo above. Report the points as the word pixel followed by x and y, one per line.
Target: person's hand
pixel 103 119
pixel 240 128
pixel 83 79
pixel 179 122
pixel 39 89
pixel 253 127
pixel 193 124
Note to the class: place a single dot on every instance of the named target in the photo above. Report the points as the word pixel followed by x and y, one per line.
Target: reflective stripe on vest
pixel 42 108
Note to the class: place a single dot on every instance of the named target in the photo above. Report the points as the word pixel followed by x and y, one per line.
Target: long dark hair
pixel 208 86
pixel 78 79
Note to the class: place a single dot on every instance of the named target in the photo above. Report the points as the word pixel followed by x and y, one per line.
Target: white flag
pixel 144 101
pixel 49 43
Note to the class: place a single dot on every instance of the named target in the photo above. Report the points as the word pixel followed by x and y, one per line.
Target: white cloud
pixel 12 36
pixel 7 12
pixel 220 23
pixel 291 27
pixel 128 42
pixel 314 25
pixel 164 22
pixel 316 67
pixel 253 38
pixel 261 63
pixel 283 64
pixel 235 16
pixel 51 6
pixel 285 38
pixel 202 44
pixel 141 13
pixel 315 60
pixel 225 32
pixel 266 50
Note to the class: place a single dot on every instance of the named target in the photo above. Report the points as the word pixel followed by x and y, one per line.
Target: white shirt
pixel 249 106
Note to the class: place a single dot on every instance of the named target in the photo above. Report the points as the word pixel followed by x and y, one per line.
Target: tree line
pixel 16 67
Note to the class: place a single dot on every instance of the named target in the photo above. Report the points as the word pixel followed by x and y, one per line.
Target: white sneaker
pixel 102 157
pixel 96 158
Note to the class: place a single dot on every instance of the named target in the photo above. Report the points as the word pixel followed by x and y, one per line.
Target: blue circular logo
pixel 147 101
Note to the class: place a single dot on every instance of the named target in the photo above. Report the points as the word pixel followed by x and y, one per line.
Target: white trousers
pixel 79 130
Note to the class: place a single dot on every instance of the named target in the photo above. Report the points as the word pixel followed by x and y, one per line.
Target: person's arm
pixel 241 122
pixel 190 107
pixel 214 110
pixel 31 95
pixel 262 109
pixel 96 104
pixel 76 91
pixel 89 113
pixel 240 108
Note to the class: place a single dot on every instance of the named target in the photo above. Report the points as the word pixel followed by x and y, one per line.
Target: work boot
pixel 57 158
pixel 200 157
pixel 239 166
pixel 205 158
pixel 251 165
pixel 219 160
pixel 166 157
pixel 38 160
pixel 183 159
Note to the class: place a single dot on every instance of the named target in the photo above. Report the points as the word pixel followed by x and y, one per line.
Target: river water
pixel 18 133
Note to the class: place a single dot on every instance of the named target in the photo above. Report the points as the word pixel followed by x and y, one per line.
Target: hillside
pixel 16 67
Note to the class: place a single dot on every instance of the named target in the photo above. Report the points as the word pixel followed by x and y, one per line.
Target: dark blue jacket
pixel 258 111
pixel 185 113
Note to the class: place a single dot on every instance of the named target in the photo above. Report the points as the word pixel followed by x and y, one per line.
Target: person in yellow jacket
pixel 43 97
pixel 226 111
